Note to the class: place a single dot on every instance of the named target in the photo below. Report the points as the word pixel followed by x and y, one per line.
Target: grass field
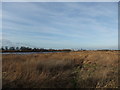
pixel 83 69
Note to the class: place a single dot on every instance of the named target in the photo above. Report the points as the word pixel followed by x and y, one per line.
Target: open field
pixel 83 69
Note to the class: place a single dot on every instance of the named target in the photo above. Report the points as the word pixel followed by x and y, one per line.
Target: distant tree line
pixel 28 49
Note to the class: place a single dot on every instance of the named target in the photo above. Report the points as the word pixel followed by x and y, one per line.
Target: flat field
pixel 83 69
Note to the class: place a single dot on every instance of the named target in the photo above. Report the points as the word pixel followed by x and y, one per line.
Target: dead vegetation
pixel 83 69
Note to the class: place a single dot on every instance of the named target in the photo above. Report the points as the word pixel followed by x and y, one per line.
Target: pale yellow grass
pixel 84 69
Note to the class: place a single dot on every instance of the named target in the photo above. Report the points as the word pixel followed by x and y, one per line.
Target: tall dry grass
pixel 84 69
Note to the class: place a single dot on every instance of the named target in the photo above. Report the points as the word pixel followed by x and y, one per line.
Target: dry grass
pixel 84 69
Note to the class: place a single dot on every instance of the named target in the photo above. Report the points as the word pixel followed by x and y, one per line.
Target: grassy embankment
pixel 83 69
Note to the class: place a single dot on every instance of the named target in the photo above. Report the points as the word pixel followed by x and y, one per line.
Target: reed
pixel 83 69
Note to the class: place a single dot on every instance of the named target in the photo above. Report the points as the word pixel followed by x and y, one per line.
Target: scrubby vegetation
pixel 83 69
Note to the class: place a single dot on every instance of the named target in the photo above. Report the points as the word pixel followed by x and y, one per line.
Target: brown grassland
pixel 83 69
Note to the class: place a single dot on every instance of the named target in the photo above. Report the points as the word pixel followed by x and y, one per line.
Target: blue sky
pixel 90 25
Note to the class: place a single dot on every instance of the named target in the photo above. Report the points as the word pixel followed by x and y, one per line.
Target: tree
pixel 12 48
pixel 2 48
pixel 6 47
pixel 22 48
pixel 17 48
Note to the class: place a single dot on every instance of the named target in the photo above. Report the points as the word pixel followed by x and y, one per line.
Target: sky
pixel 88 25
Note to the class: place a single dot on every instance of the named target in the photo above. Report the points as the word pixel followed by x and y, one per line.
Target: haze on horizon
pixel 89 25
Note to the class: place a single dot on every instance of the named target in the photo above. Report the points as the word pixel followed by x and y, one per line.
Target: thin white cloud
pixel 87 26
